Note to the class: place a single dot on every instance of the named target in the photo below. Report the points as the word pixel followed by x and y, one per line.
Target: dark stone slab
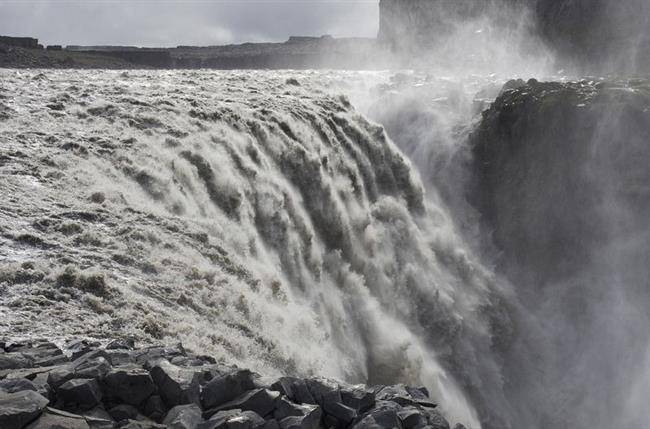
pixel 176 385
pixel 187 416
pixel 226 388
pixel 18 409
pixel 80 393
pixel 262 401
pixel 57 419
pixel 130 384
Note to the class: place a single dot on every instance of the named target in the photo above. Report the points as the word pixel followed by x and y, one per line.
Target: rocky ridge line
pixel 86 385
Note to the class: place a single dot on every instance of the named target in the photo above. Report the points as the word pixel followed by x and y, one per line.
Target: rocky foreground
pixel 86 384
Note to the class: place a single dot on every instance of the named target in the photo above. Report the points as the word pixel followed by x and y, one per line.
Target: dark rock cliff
pixel 561 182
pixel 541 153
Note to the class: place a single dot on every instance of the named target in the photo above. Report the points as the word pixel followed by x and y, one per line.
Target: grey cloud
pixel 169 23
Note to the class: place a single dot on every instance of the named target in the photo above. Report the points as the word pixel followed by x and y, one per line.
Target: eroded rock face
pixel 546 154
pixel 561 182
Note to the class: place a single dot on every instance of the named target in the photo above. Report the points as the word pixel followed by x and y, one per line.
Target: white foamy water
pixel 252 216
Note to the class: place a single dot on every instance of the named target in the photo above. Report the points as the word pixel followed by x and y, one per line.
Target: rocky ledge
pixel 86 384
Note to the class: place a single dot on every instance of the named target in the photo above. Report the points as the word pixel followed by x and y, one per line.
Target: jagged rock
pixel 226 388
pixel 412 417
pixel 40 383
pixel 130 384
pixel 342 413
pixel 96 368
pixel 88 366
pixel 402 395
pixel 38 354
pixel 262 401
pixel 28 373
pixel 295 389
pixel 237 420
pixel 291 415
pixel 240 398
pixel 121 344
pixel 80 393
pixel 246 420
pixel 358 397
pixel 138 424
pixel 219 419
pixel 384 415
pixel 285 408
pixel 187 361
pixel 184 417
pixel 154 407
pixel 123 412
pixel 13 361
pixel 14 385
pixel 58 376
pixel 98 413
pixel 18 409
pixel 177 386
pixel 153 353
pixel 323 391
pixel 55 419
pixel 80 347
pixel 119 357
pixel 435 419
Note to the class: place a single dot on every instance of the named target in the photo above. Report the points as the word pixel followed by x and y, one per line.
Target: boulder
pixel 246 420
pixel 343 414
pixel 96 368
pixel 80 393
pixel 55 419
pixel 290 414
pixel 130 384
pixel 262 401
pixel 154 407
pixel 412 417
pixel 401 394
pixel 121 344
pixel 13 361
pixel 323 391
pixel 159 352
pixel 240 420
pixel 88 366
pixel 295 389
pixel 435 419
pixel 177 386
pixel 219 419
pixel 226 388
pixel 384 415
pixel 14 385
pixel 358 397
pixel 184 417
pixel 78 348
pixel 18 409
pixel 123 412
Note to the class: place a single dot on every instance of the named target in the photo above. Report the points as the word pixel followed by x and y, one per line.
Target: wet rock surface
pixel 196 393
pixel 543 142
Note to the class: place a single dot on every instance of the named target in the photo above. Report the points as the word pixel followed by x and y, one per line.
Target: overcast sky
pixel 184 22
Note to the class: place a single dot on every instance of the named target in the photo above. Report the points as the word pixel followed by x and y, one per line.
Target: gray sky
pixel 171 23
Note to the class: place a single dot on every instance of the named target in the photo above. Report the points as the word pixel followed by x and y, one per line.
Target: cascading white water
pixel 254 215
